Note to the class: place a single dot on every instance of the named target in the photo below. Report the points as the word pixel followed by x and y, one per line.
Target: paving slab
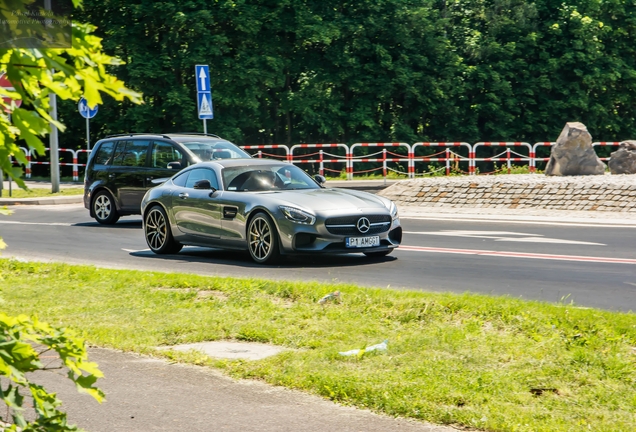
pixel 230 350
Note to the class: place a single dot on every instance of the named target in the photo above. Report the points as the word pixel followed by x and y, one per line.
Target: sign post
pixel 88 113
pixel 204 95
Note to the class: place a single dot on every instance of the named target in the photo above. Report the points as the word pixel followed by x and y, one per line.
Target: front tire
pixel 379 254
pixel 104 210
pixel 158 234
pixel 262 239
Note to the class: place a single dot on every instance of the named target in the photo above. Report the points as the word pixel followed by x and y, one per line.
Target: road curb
pixel 71 199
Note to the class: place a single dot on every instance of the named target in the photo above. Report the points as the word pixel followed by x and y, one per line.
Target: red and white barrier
pixel 448 154
pixel 520 158
pixel 364 158
pixel 606 144
pixel 307 157
pixel 261 147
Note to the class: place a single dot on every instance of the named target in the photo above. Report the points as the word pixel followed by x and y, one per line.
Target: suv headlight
pixel 297 215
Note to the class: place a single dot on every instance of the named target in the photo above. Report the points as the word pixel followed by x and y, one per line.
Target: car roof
pixel 170 136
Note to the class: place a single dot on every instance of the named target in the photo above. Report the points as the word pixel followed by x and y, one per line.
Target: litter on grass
pixel 377 347
pixel 330 297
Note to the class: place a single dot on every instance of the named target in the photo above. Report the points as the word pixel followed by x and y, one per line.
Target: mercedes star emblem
pixel 363 225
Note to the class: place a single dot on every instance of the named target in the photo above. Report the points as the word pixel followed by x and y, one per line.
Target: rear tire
pixel 379 254
pixel 262 239
pixel 104 210
pixel 158 234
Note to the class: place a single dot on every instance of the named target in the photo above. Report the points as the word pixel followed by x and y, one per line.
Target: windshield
pixel 207 149
pixel 267 178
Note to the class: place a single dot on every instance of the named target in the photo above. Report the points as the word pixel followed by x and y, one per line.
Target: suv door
pixel 127 174
pixel 161 154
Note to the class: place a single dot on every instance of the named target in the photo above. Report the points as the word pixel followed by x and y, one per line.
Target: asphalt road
pixel 592 266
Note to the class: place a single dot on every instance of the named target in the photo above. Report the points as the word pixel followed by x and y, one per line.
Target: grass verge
pixel 41 192
pixel 490 363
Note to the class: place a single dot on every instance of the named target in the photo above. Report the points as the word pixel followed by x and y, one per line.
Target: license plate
pixel 361 242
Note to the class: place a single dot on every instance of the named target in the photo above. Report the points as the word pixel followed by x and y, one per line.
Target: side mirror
pixel 320 179
pixel 203 184
pixel 174 166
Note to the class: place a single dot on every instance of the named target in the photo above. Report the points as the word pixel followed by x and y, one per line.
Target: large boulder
pixel 623 160
pixel 573 153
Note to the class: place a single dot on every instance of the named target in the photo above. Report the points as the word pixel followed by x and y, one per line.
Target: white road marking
pixel 11 222
pixel 577 258
pixel 134 250
pixel 524 222
pixel 504 236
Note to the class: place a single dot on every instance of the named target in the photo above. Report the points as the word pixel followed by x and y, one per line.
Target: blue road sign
pixel 204 92
pixel 86 111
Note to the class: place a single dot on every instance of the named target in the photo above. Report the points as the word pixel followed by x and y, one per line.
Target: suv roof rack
pixel 136 134
pixel 196 133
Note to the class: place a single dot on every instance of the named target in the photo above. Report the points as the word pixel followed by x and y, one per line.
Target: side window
pixel 163 154
pixel 181 179
pixel 135 155
pixel 104 154
pixel 118 154
pixel 202 174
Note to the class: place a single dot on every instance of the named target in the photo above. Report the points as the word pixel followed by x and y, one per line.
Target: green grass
pixel 40 192
pixel 491 363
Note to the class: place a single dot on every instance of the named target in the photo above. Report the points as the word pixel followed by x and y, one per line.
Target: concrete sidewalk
pixel 146 394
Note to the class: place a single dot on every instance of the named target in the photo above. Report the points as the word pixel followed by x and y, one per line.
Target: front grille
pixel 352 220
pixel 346 225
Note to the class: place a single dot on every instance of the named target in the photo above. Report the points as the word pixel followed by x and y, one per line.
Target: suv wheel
pixel 104 208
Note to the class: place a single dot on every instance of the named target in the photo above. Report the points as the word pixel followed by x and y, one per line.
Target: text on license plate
pixel 360 242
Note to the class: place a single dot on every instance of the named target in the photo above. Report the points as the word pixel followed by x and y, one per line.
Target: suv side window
pixel 118 155
pixel 104 153
pixel 164 153
pixel 202 174
pixel 135 155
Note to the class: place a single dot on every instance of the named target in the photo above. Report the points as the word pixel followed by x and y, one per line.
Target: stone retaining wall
pixel 616 193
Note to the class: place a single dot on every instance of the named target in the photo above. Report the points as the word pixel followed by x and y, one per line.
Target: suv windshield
pixel 209 149
pixel 267 178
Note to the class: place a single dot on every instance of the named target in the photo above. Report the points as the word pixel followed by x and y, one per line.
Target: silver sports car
pixel 267 207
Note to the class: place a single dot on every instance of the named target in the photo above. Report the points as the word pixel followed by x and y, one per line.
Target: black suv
pixel 121 168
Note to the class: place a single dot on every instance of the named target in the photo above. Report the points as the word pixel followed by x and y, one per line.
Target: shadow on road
pixel 242 259
pixel 126 224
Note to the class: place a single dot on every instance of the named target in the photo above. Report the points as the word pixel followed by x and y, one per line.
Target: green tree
pixel 291 71
pixel 69 73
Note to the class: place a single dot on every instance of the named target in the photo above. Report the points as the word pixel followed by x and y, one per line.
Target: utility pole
pixel 53 142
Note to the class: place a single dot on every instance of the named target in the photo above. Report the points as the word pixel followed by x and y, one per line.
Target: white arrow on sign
pixel 202 77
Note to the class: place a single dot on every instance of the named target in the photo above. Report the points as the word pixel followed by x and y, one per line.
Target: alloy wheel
pixel 103 207
pixel 260 241
pixel 156 229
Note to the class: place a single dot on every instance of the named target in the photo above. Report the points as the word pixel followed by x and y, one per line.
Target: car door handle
pixel 183 195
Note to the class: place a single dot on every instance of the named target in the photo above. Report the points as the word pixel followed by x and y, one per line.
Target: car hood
pixel 330 200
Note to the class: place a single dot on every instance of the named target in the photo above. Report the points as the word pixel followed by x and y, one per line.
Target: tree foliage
pixel 290 71
pixel 37 73
pixel 23 340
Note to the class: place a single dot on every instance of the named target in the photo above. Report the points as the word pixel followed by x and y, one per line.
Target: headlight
pixel 297 215
pixel 393 210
